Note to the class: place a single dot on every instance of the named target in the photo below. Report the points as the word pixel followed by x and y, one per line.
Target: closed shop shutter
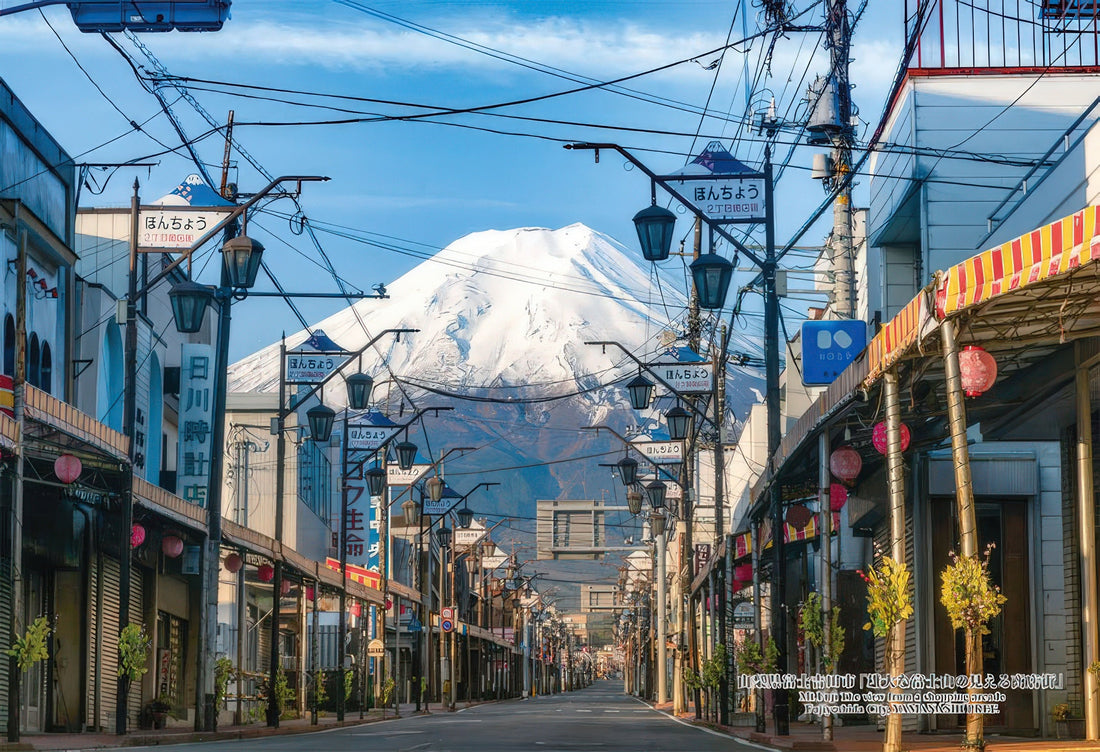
pixel 105 651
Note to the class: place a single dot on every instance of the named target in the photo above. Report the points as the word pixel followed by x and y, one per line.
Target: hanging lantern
pixel 359 388
pixel 356 609
pixel 320 419
pixel 67 468
pixel 977 369
pixel 189 301
pixel 376 481
pixel 233 563
pixel 406 454
pixel 310 593
pixel 656 492
pixel 241 258
pixel 743 572
pixel 634 501
pixel 654 225
pixel 411 512
pixel 265 573
pixel 838 497
pixel 171 546
pixel 285 586
pixel 711 274
pixel 434 486
pixel 679 423
pixel 657 523
pixel 878 436
pixel 628 470
pixel 798 515
pixel 639 389
pixel 845 463
pixel 137 534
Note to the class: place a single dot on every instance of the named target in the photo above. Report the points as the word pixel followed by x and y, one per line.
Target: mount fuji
pixel 503 317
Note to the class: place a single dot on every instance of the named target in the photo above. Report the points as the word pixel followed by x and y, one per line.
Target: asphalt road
pixel 599 718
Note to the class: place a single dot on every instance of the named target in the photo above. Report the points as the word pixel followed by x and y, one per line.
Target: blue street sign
pixel 414 625
pixel 828 347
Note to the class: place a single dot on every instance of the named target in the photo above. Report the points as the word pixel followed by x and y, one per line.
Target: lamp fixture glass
pixel 376 481
pixel 241 258
pixel 655 225
pixel 656 492
pixel 406 454
pixel 359 388
pixel 640 390
pixel 443 535
pixel 465 517
pixel 434 487
pixel 628 470
pixel 189 300
pixel 657 523
pixel 679 422
pixel 411 510
pixel 711 274
pixel 321 419
pixel 634 501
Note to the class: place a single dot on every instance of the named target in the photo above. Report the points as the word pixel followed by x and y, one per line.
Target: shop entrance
pixel 1004 524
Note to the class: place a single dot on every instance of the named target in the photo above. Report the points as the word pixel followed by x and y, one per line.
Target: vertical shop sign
pixel 196 415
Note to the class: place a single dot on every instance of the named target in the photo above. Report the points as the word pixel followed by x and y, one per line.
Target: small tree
pixel 889 604
pixel 133 654
pixel 971 600
pixel 223 672
pixel 27 650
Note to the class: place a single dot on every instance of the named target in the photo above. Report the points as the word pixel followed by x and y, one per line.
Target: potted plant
pixel 158 711
pixel 1065 725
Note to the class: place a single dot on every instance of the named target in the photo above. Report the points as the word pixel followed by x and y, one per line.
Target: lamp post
pixel 712 275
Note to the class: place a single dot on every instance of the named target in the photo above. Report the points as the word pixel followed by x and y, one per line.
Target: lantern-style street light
pixel 359 389
pixel 655 225
pixel 406 454
pixel 465 517
pixel 189 301
pixel 712 275
pixel 241 257
pixel 628 470
pixel 434 486
pixel 656 491
pixel 443 535
pixel 679 421
pixel 321 419
pixel 376 481
pixel 634 500
pixel 640 390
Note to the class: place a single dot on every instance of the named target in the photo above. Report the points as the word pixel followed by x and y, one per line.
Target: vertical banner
pixel 196 414
pixel 361 544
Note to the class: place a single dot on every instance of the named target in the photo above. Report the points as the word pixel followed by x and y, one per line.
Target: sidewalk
pixel 141 738
pixel 807 737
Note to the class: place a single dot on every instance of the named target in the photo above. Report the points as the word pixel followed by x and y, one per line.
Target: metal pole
pixel 719 595
pixel 964 495
pixel 341 650
pixel 662 623
pixel 824 482
pixel 19 388
pixel 315 651
pixel 895 661
pixel 758 620
pixel 1086 526
pixel 280 491
pixel 242 635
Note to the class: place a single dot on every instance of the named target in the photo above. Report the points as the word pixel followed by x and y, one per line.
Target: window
pixel 9 345
pixel 46 375
pixel 34 366
pixel 314 479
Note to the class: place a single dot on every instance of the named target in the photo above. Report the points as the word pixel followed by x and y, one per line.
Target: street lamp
pixel 655 224
pixel 359 388
pixel 465 517
pixel 189 300
pixel 443 535
pixel 320 418
pixel 411 511
pixel 634 501
pixel 679 421
pixel 628 470
pixel 712 275
pixel 640 390
pixel 406 454
pixel 656 492
pixel 376 481
pixel 241 257
pixel 434 486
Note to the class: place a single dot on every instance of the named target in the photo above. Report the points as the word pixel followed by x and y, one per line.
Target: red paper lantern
pixel 233 563
pixel 798 515
pixel 137 535
pixel 171 545
pixel 743 572
pixel 284 588
pixel 845 463
pixel 265 572
pixel 310 593
pixel 838 497
pixel 356 609
pixel 878 436
pixel 67 468
pixel 977 369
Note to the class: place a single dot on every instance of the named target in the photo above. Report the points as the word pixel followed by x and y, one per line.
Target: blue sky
pixel 413 187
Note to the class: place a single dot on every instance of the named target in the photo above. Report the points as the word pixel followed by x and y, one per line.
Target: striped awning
pixel 1045 252
pixel 897 336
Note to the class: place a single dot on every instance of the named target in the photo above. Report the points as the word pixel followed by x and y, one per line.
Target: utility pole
pixel 842 249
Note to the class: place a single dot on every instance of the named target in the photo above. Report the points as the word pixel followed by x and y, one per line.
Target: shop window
pixel 171 655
